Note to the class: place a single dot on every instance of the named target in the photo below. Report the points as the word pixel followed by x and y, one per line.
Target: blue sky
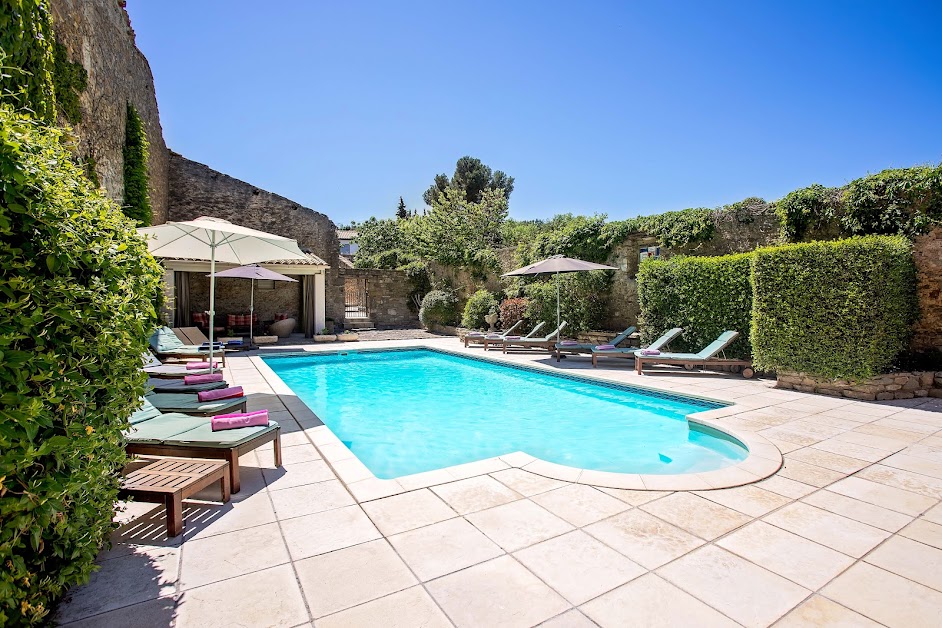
pixel 623 108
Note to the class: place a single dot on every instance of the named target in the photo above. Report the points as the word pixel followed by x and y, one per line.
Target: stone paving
pixel 848 532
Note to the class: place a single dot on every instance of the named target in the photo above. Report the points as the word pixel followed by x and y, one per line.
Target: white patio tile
pixel 443 548
pixel 518 524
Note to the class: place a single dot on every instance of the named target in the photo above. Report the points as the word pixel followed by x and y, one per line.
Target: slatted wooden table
pixel 171 480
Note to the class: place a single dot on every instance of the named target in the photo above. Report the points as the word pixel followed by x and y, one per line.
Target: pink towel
pixel 650 352
pixel 240 419
pixel 605 347
pixel 193 366
pixel 511 337
pixel 568 343
pixel 220 393
pixel 202 379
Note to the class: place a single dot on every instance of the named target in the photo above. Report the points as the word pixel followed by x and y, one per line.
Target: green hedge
pixel 704 295
pixel 439 308
pixel 582 301
pixel 26 57
pixel 75 313
pixel 839 309
pixel 479 305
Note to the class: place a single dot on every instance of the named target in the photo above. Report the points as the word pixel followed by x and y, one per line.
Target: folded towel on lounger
pixel 240 419
pixel 605 347
pixel 195 366
pixel 569 343
pixel 511 337
pixel 202 379
pixel 220 393
pixel 650 352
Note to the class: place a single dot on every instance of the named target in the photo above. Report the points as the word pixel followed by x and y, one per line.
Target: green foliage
pixel 459 232
pixel 75 314
pixel 672 229
pixel 136 149
pixel 905 201
pixel 582 300
pixel 26 78
pixel 582 237
pixel 384 243
pixel 479 305
pixel 439 307
pixel 810 213
pixel 704 295
pixel 402 211
pixel 472 178
pixel 69 80
pixel 512 310
pixel 838 309
pixel 90 167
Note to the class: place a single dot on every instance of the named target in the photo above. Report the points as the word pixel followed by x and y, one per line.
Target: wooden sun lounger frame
pixel 692 363
pixel 219 452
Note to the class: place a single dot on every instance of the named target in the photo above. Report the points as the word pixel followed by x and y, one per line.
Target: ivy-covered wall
pixel 136 203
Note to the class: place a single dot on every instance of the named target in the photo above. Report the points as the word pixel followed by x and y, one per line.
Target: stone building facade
pixel 927 253
pixel 387 296
pixel 98 34
pixel 198 190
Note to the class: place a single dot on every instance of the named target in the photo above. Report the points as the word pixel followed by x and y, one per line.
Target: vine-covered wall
pixel 136 150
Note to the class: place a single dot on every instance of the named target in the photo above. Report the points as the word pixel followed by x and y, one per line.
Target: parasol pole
pixel 557 306
pixel 252 314
pixel 212 295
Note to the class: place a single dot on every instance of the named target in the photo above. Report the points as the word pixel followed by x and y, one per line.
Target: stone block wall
pixel 388 297
pixel 901 385
pixel 198 190
pixel 232 297
pixel 98 34
pixel 927 253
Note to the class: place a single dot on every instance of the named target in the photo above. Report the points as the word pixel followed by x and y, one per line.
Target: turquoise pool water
pixel 408 411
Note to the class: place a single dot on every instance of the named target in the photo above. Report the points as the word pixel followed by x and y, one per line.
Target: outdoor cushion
pixel 180 386
pixel 164 427
pixel 182 402
pixel 204 436
pixel 145 413
pixel 164 340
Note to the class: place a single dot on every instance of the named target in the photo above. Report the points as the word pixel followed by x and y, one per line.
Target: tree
pixel 472 178
pixel 459 232
pixel 136 150
pixel 402 212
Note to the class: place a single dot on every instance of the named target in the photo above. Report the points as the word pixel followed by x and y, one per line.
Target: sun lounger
pixel 165 344
pixel 478 336
pixel 175 386
pixel 576 349
pixel 705 358
pixel 194 336
pixel 629 352
pixel 547 342
pixel 189 403
pixel 154 433
pixel 489 340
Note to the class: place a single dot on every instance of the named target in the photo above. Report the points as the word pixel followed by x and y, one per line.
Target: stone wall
pixel 927 253
pixel 233 295
pixel 198 190
pixel 901 385
pixel 388 297
pixel 98 34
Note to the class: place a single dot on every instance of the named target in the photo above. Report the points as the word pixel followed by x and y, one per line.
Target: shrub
pixel 582 301
pixel 439 308
pixel 810 213
pixel 704 295
pixel 838 309
pixel 27 58
pixel 136 149
pixel 75 314
pixel 478 306
pixel 511 311
pixel 904 201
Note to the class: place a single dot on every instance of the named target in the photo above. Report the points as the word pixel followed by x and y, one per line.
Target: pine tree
pixel 402 212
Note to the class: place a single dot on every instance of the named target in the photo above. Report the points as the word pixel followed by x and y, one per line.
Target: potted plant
pixel 324 336
pixel 348 336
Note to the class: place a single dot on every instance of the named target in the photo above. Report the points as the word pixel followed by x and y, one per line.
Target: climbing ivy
pixel 26 79
pixel 69 80
pixel 136 147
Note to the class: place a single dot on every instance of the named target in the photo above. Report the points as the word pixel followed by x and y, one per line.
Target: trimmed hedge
pixel 478 306
pixel 75 314
pixel 704 295
pixel 439 308
pixel 839 309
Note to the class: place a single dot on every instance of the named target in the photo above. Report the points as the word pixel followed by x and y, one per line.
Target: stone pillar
pixel 320 316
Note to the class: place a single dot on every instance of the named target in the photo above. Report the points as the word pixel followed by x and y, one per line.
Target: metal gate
pixel 356 298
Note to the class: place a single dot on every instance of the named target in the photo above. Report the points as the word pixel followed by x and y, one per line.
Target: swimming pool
pixel 408 411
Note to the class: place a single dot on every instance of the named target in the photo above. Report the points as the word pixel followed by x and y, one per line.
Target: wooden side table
pixel 171 480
